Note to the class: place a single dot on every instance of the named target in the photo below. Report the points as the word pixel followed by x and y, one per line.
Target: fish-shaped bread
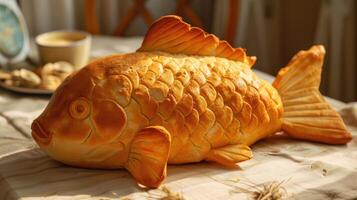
pixel 185 96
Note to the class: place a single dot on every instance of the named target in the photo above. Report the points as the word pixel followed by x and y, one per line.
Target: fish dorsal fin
pixel 172 35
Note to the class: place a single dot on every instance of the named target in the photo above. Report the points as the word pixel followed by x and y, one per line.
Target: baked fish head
pixel 74 126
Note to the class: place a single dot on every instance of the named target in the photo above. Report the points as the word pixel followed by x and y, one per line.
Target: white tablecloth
pixel 289 168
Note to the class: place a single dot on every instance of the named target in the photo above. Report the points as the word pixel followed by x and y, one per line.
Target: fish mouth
pixel 39 134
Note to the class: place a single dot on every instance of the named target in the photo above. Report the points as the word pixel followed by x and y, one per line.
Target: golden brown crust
pixel 229 155
pixel 172 35
pixel 148 164
pixel 158 105
pixel 305 65
pixel 204 102
pixel 307 115
pixel 184 97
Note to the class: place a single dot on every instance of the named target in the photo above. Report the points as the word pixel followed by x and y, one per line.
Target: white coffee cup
pixel 64 45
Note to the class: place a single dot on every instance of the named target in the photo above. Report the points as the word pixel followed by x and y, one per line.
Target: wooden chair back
pixel 183 8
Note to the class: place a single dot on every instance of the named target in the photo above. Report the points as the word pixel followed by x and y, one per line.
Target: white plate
pixel 25 90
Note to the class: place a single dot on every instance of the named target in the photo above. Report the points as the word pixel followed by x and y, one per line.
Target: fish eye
pixel 79 108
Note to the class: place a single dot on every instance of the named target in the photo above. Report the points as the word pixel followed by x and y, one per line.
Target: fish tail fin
pixel 307 115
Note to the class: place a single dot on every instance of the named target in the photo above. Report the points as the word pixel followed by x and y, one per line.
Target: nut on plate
pixel 4 75
pixel 50 82
pixel 60 69
pixel 25 78
pixel 53 74
pixel 48 77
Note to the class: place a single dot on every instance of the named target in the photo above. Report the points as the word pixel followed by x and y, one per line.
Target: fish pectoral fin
pixel 229 155
pixel 148 156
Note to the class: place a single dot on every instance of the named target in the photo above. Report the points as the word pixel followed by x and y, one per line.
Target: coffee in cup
pixel 70 46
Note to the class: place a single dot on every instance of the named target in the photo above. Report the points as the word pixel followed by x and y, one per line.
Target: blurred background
pixel 272 30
